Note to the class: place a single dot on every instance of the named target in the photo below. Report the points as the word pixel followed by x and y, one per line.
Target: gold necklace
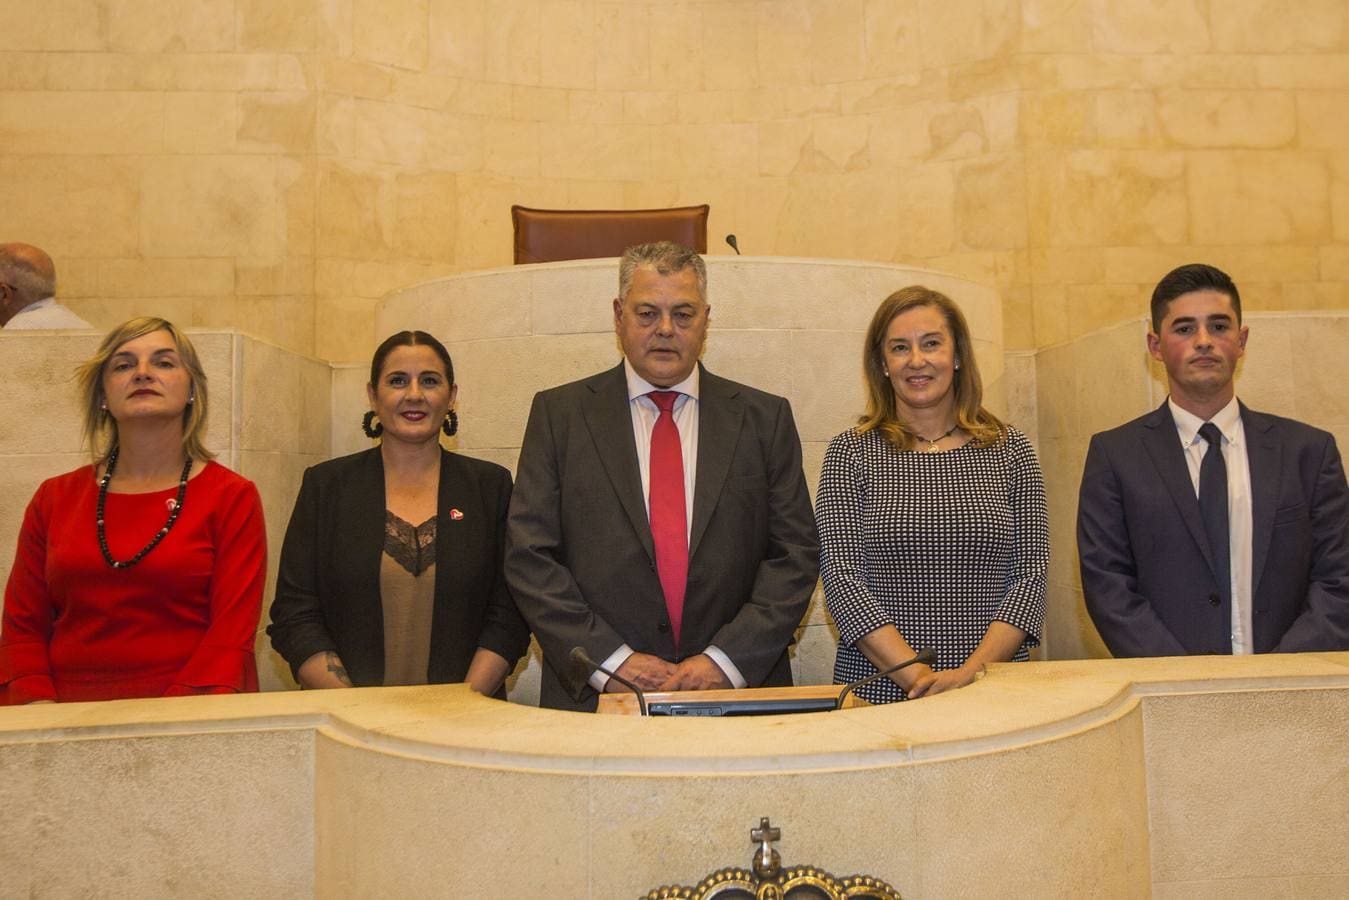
pixel 932 442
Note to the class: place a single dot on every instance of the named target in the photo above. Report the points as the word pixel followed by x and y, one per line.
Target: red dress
pixel 181 621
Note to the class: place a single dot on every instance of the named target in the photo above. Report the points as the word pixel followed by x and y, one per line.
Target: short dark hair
pixel 409 339
pixel 1187 278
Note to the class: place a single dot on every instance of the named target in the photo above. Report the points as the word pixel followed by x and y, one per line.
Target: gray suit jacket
pixel 1147 570
pixel 579 555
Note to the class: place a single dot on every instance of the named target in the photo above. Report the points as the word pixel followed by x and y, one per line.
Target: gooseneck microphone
pixel 927 656
pixel 730 239
pixel 581 658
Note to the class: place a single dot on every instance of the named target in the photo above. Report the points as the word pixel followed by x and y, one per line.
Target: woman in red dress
pixel 140 575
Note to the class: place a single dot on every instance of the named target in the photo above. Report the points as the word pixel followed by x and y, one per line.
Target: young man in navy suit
pixel 1204 526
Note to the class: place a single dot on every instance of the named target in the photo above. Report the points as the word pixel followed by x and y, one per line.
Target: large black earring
pixel 371 431
pixel 451 424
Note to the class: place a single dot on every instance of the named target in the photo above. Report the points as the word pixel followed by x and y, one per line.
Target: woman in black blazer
pixel 391 570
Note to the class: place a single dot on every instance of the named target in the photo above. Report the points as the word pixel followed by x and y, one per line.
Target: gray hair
pixel 667 258
pixel 28 280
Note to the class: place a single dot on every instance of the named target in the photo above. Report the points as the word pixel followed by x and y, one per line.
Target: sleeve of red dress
pixel 25 633
pixel 224 662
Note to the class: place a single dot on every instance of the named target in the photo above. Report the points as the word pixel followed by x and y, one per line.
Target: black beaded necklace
pixel 159 535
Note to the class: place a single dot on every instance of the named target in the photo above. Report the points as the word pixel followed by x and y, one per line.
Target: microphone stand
pixel 927 656
pixel 580 657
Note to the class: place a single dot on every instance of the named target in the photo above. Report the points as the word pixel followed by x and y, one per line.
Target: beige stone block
pixel 199 122
pixel 828 393
pixel 990 205
pixel 1255 119
pixel 1197 824
pixel 926 211
pixel 81 122
pixel 343 326
pixel 499 378
pixel 842 143
pixel 891 37
pixel 784 42
pixel 1127 119
pixel 1321 120
pixel 957 131
pixel 457 42
pixel 1049 308
pixel 1334 263
pixel 453 142
pixel 678 61
pixel 512 41
pixel 1315 295
pixel 269 26
pixel 357 78
pixel 165 277
pixel 623 36
pixel 812 656
pixel 512 148
pixel 650 195
pixel 425 214
pixel 899 137
pixel 650 107
pixel 568 55
pixel 21 474
pixel 708 107
pixel 392 32
pixel 1165 26
pixel 962 31
pixel 210 206
pixel 1018 315
pixel 63 25
pixel 785 147
pixel 44 413
pixel 354 212
pixel 99 207
pixel 276 122
pixel 1087 198
pixel 284 401
pixel 1339 197
pixel 1315 887
pixel 389 133
pixel 1268 377
pixel 233 72
pixel 76 277
pixel 730 46
pixel 1268 26
pixel 147 26
pixel 837 40
pixel 1054 26
pixel 601 108
pixel 539 104
pixel 477 306
pixel 1057 119
pixel 1252 198
pixel 361 837
pixel 265 279
pixel 760 359
pixel 484 228
pixel 296 180
pixel 1093 306
pixel 110 781
pixel 1313 71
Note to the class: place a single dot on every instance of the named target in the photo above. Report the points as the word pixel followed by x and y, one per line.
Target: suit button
pixel 1214 600
pixel 662 627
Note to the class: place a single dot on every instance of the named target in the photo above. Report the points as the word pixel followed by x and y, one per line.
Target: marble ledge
pixel 1015 705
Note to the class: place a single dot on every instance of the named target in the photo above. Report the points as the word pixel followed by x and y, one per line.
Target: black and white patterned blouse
pixel 936 544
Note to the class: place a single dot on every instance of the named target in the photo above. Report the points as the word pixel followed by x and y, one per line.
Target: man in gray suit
pixel 660 518
pixel 1204 526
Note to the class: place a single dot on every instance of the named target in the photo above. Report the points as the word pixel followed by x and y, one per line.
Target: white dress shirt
pixel 644 414
pixel 1228 421
pixel 45 313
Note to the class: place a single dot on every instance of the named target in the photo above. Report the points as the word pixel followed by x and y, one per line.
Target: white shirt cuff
pixel 724 663
pixel 598 679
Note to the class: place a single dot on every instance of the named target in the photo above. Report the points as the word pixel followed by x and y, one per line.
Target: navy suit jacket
pixel 581 562
pixel 1147 570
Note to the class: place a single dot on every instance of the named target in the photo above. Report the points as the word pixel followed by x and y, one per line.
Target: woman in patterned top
pixel 391 568
pixel 931 511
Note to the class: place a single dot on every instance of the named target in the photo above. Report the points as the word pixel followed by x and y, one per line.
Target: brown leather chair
pixel 549 235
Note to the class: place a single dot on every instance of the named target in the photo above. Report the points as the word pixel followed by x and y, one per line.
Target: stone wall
pixel 281 164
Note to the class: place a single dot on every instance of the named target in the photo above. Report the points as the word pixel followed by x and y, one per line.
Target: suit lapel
pixel 1163 446
pixel 720 415
pixel 1265 457
pixel 610 422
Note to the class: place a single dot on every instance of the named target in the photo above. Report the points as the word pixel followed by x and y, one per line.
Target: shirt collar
pixel 1228 420
pixel 38 304
pixel 639 386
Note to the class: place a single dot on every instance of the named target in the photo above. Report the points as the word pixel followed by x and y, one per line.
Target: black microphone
pixel 927 656
pixel 730 239
pixel 581 658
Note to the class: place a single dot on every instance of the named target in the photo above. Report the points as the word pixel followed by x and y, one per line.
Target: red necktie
pixel 669 522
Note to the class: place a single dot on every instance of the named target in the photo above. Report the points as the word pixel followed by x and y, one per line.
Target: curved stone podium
pixel 1179 777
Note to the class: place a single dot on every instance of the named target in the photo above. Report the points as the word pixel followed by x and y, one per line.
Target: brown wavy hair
pixel 882 412
pixel 100 429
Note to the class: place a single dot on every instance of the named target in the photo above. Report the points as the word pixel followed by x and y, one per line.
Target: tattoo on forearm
pixel 335 666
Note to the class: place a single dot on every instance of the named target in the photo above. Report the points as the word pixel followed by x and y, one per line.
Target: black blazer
pixel 1147 571
pixel 581 561
pixel 327 586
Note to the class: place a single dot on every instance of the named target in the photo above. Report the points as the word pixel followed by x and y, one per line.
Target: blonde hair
pixel 100 428
pixel 882 414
